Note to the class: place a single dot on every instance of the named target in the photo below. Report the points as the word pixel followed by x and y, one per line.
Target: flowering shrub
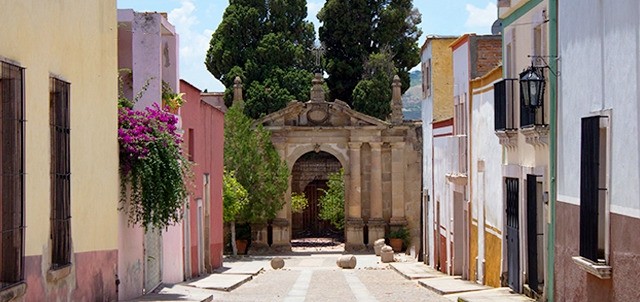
pixel 154 172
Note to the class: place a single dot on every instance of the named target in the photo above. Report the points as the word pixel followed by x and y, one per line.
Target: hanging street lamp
pixel 532 87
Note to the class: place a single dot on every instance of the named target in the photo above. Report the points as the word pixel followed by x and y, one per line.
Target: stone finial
pixel 377 246
pixel 386 254
pixel 317 92
pixel 237 90
pixel 396 101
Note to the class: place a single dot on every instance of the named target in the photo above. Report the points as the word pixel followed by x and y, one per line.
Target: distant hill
pixel 412 98
pixel 416 78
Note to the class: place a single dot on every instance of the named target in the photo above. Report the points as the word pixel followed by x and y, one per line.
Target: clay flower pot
pixel 241 245
pixel 396 244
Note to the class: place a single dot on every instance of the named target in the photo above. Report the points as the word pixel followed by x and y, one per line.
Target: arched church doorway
pixel 309 176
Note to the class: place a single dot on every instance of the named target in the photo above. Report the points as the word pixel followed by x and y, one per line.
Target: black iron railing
pixel 60 174
pixel 12 181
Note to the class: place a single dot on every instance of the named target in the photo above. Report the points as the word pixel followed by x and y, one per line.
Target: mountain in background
pixel 412 98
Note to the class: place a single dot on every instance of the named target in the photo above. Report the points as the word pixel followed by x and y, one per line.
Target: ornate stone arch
pixel 300 150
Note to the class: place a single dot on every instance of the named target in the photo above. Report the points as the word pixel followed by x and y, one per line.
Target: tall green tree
pixel 332 202
pixel 352 30
pixel 250 155
pixel 234 199
pixel 268 44
pixel 372 95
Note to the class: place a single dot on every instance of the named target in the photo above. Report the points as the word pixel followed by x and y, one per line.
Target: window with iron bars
pixel 60 174
pixel 593 188
pixel 12 182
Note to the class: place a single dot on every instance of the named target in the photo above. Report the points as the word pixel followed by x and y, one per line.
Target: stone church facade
pixel 381 162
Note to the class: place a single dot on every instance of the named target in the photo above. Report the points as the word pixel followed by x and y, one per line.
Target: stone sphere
pixel 277 263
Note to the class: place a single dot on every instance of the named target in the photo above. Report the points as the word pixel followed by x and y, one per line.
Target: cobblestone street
pixel 315 277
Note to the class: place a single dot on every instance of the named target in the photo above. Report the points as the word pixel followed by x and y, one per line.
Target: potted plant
pixel 170 99
pixel 398 238
pixel 243 235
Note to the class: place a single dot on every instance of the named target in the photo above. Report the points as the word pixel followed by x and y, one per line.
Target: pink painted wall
pixel 207 125
pixel 172 264
pixel 148 46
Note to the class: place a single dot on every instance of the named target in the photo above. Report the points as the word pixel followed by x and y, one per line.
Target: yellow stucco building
pixel 59 132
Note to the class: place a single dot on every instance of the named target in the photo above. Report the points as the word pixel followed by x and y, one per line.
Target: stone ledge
pixel 56 274
pixel 508 138
pixel 599 270
pixel 457 178
pixel 13 292
pixel 537 135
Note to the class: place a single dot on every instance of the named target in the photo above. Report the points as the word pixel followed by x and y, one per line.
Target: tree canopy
pixel 267 43
pixel 252 158
pixel 352 30
pixel 372 95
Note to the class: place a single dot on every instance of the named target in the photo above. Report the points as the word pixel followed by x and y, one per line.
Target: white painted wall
pixel 486 186
pixel 486 147
pixel 600 69
pixel 427 134
pixel 461 71
pixel 445 161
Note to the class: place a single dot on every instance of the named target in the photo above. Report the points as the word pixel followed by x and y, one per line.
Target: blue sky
pixel 196 20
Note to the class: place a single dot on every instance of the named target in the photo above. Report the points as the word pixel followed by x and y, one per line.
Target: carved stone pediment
pixel 319 114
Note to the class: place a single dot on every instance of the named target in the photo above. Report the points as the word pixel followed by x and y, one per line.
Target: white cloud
pixel 194 43
pixel 313 7
pixel 481 17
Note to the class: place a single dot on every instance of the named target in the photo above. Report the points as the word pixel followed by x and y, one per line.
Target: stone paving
pixel 310 274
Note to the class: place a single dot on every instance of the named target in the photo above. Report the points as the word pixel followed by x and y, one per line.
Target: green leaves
pixel 234 196
pixel 250 155
pixel 372 95
pixel 332 203
pixel 299 202
pixel 268 43
pixel 353 29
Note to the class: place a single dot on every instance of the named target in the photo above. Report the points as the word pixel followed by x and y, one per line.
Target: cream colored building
pixel 524 134
pixel 60 185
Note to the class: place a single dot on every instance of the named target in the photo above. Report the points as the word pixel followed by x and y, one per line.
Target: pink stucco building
pixel 203 125
pixel 147 59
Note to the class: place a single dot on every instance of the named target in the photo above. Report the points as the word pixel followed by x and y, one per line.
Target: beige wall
pixel 442 86
pixel 75 41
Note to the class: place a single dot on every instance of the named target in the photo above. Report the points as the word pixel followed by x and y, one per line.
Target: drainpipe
pixel 553 123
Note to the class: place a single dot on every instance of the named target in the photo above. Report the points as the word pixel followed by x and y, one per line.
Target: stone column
pixel 354 224
pixel 397 184
pixel 281 224
pixel 237 92
pixel 396 101
pixel 376 222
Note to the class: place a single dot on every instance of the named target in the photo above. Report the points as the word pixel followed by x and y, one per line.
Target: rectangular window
pixel 12 182
pixel 427 75
pixel 60 174
pixel 191 138
pixel 504 105
pixel 423 67
pixel 593 188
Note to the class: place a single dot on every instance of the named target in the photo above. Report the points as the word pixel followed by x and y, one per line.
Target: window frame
pixel 9 71
pixel 60 171
pixel 601 268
